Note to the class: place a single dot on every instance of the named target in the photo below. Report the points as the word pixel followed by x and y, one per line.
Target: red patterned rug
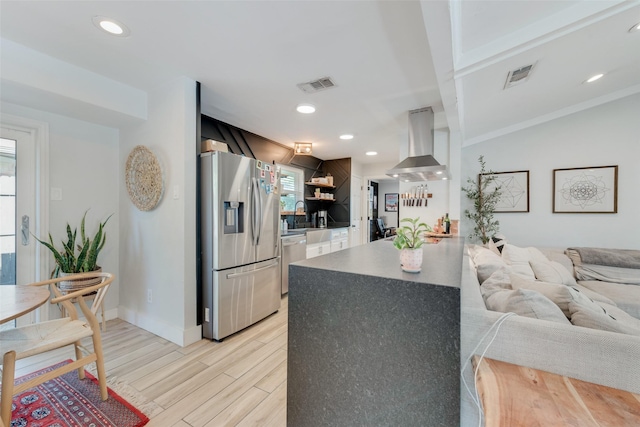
pixel 69 401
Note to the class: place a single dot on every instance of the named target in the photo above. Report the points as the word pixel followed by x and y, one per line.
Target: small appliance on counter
pixel 322 219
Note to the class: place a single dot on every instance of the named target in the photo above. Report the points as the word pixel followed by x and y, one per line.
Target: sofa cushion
pixel 486 262
pixel 526 303
pixel 593 295
pixel 605 317
pixel 519 258
pixel 561 295
pixel 499 279
pixel 558 255
pixel 552 272
pixel 626 297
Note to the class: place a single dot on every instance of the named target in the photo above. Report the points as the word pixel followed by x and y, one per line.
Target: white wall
pixel 83 163
pixel 605 135
pixel 436 207
pixel 157 248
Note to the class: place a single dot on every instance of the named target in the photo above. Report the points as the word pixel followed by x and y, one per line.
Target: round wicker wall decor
pixel 144 178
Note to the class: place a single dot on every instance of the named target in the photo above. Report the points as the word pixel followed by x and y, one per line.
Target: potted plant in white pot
pixel 485 195
pixel 409 240
pixel 69 262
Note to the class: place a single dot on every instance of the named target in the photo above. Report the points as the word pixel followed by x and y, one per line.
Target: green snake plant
pixel 87 249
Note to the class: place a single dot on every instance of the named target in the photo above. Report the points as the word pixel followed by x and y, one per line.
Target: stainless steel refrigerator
pixel 240 208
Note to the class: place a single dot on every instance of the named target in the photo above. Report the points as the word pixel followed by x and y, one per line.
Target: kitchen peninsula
pixel 372 345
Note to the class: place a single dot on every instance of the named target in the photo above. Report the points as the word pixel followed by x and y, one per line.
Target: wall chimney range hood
pixel 420 165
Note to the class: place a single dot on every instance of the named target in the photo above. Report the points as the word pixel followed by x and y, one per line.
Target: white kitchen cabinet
pixel 318 249
pixel 339 239
pixel 338 245
pixel 324 241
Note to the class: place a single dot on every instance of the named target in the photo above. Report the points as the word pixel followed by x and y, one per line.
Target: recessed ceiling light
pixel 636 27
pixel 346 136
pixel 371 153
pixel 305 108
pixel 111 26
pixel 395 175
pixel 594 78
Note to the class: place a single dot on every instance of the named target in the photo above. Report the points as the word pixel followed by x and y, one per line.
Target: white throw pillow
pixel 486 263
pixel 552 272
pixel 519 258
pixel 525 303
pixel 499 279
pixel 593 295
pixel 561 295
pixel 606 318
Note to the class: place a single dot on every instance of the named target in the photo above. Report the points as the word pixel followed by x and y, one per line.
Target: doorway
pixel 22 204
pixel 382 199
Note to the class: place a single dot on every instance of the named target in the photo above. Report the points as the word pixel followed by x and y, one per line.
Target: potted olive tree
pixel 485 195
pixel 75 258
pixel 409 240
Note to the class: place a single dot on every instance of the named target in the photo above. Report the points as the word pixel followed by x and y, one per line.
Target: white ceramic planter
pixel 411 260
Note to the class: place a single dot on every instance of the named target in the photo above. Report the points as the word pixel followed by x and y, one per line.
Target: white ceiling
pixel 386 57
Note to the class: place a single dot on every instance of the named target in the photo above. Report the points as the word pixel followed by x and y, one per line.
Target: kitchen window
pixel 291 188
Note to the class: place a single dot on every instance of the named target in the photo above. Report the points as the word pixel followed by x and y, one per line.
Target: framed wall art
pixel 514 188
pixel 391 202
pixel 586 190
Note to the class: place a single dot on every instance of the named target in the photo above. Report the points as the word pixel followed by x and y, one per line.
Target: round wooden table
pixel 18 300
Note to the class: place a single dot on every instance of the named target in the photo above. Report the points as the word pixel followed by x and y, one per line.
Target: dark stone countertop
pixel 371 345
pixel 442 262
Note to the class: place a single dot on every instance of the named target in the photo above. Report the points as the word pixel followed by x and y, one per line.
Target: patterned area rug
pixel 70 401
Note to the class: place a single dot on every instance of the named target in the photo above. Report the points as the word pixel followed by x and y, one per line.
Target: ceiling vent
pixel 317 85
pixel 518 76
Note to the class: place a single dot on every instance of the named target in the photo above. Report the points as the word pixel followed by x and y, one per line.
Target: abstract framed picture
pixel 586 190
pixel 391 202
pixel 514 188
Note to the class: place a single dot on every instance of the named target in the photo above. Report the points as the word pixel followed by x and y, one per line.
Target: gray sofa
pixel 550 342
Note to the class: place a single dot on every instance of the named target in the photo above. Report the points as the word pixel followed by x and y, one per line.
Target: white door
pixel 356 211
pixel 18 199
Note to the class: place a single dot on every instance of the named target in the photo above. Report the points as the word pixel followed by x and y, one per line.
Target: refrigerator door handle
pixel 260 206
pixel 256 212
pixel 247 273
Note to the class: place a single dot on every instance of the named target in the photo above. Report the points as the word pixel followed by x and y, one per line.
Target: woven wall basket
pixel 143 176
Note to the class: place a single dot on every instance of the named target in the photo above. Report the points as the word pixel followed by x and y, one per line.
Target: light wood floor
pixel 238 382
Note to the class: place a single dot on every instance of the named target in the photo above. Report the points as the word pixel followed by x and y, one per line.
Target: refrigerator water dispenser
pixel 233 217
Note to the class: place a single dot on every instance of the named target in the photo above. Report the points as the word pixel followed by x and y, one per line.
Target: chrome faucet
pixel 295 209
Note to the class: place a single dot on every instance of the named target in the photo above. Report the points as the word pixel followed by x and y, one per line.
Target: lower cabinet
pixel 318 249
pixel 338 245
pixel 339 239
pixel 322 242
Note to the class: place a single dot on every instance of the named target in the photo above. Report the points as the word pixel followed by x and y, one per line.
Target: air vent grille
pixel 317 85
pixel 518 76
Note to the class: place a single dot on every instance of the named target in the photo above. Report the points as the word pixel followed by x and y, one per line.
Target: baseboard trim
pixel 181 337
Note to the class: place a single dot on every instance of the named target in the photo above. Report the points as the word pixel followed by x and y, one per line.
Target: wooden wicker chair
pixel 42 337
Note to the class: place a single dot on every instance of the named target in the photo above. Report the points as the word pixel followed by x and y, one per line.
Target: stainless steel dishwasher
pixel 294 248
